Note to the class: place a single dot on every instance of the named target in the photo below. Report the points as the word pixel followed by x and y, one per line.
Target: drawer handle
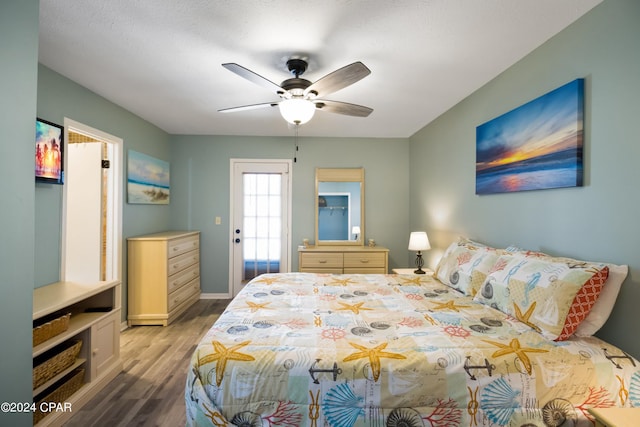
pixel 364 261
pixel 322 261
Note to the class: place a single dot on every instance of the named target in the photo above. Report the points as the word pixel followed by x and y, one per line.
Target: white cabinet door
pixel 105 344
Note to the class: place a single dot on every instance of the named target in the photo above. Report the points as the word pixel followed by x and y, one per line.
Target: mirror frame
pixel 340 175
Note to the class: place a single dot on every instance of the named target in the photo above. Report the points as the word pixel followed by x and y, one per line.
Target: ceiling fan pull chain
pixel 295 154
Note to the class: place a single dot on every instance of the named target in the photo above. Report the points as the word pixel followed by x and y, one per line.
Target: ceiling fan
pixel 300 98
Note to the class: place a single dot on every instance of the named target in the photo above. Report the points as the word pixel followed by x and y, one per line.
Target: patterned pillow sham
pixel 466 264
pixel 600 306
pixel 603 307
pixel 544 292
pixel 583 303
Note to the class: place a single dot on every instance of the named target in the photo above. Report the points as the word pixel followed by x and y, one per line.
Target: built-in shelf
pixel 79 362
pixel 95 320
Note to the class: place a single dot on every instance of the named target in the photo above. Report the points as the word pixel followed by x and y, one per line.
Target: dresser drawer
pixel 364 260
pixel 361 270
pixel 321 260
pixel 183 261
pixel 183 245
pixel 322 270
pixel 180 279
pixel 181 295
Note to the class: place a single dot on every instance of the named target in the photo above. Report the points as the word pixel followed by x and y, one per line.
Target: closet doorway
pixel 92 205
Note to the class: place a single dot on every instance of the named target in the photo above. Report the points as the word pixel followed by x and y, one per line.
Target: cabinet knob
pixel 95 352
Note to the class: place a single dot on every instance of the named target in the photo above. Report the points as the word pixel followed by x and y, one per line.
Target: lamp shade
pixel 297 111
pixel 355 230
pixel 418 241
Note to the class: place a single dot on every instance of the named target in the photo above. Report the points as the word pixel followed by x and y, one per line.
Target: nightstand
pixel 615 417
pixel 427 272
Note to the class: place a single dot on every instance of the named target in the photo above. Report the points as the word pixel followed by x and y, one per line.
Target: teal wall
pixel 59 97
pixel 596 222
pixel 425 182
pixel 18 74
pixel 200 190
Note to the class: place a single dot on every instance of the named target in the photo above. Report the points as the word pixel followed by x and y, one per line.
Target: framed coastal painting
pixel 535 146
pixel 147 179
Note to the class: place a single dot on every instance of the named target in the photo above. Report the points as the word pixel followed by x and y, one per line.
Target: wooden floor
pixel 150 390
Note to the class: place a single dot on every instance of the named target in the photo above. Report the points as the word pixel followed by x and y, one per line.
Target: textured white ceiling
pixel 161 59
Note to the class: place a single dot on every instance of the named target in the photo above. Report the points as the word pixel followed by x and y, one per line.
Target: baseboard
pixel 215 296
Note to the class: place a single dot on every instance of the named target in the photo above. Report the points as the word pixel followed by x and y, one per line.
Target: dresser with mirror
pixel 340 227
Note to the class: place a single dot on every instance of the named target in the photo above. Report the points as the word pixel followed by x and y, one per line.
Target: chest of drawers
pixel 163 277
pixel 343 259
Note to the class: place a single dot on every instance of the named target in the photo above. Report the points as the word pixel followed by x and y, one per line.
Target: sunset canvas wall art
pixel 535 146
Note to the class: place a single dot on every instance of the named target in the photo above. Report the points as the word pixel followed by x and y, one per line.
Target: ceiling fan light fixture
pixel 297 111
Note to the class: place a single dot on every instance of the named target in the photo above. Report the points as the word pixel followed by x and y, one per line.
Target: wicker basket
pixel 60 394
pixel 55 364
pixel 51 328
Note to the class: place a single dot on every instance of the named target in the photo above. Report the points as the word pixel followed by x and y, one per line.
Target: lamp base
pixel 419 264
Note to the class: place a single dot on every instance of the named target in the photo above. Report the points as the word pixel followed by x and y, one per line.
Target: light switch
pixel 218 220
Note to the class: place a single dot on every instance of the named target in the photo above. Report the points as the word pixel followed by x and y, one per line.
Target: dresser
pixel 343 259
pixel 163 276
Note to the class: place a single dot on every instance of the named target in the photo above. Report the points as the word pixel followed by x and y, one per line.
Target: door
pixel 260 219
pixel 92 205
pixel 84 212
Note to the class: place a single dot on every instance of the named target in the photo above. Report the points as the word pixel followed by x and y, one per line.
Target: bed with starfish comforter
pixel 478 344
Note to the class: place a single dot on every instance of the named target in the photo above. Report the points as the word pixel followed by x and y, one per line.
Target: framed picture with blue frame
pixel 536 146
pixel 49 152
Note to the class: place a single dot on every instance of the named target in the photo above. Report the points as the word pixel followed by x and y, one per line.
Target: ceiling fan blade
pixel 342 108
pixel 253 77
pixel 248 107
pixel 339 79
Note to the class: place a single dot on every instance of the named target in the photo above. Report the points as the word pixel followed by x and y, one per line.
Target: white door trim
pixel 115 235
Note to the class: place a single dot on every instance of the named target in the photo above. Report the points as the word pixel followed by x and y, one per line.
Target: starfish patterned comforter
pixel 304 349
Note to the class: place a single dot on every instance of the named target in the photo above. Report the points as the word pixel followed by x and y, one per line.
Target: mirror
pixel 339 206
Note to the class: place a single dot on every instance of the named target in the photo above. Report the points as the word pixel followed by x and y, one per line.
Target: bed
pixel 473 345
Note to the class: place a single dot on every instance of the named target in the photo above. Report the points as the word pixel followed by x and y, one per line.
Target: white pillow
pixel 604 304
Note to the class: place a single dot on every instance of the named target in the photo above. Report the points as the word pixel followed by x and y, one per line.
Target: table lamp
pixel 418 241
pixel 355 230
